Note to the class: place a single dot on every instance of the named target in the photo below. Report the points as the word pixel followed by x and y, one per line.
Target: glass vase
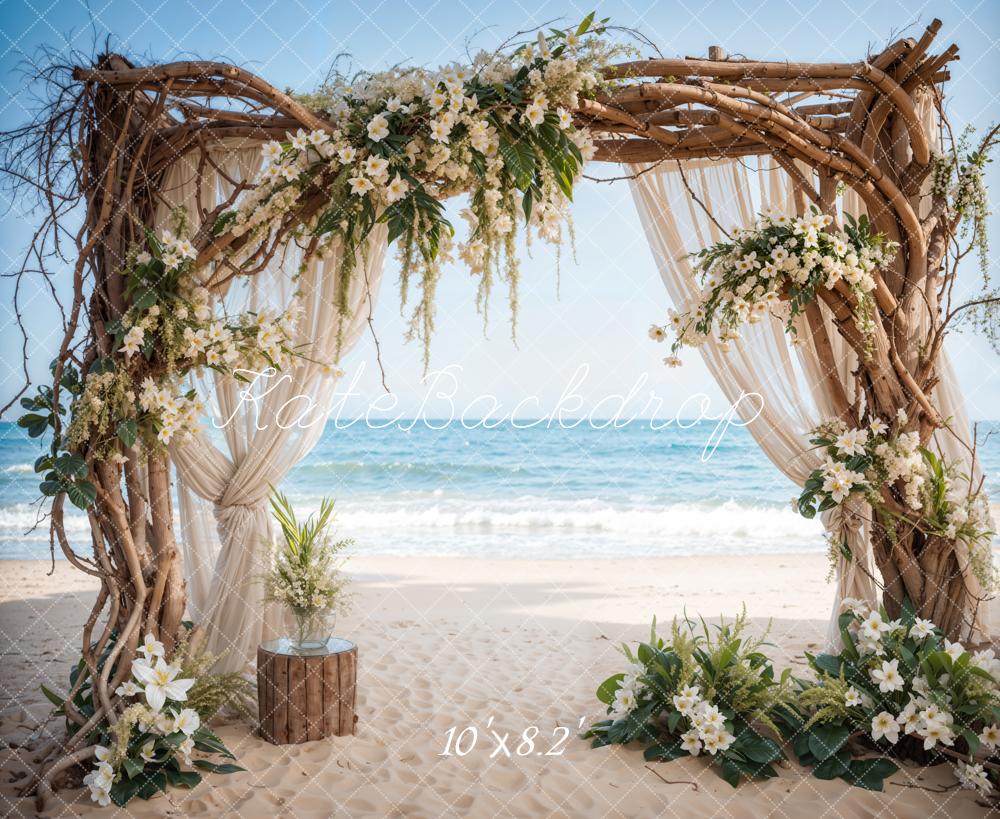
pixel 310 629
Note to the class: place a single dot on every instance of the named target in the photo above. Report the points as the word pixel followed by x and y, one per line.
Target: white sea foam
pixel 729 519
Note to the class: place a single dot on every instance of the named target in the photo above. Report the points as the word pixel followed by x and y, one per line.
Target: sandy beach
pixel 503 646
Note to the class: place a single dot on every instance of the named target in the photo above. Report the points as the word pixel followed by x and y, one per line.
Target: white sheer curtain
pixel 266 428
pixel 792 399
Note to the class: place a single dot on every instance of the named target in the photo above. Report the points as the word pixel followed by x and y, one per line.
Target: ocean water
pixel 542 491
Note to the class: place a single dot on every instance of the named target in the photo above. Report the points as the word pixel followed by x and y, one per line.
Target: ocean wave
pixel 18 469
pixel 729 520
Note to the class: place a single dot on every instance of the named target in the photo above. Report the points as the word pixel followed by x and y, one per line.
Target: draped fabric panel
pixel 260 430
pixel 789 396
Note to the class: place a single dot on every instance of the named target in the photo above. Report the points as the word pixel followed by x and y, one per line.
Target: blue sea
pixel 516 491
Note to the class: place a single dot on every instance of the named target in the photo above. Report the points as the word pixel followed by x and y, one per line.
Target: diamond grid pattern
pixel 472 621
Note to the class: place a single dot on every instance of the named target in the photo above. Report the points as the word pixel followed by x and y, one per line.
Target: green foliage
pixel 710 690
pixel 62 471
pixel 306 573
pixel 896 686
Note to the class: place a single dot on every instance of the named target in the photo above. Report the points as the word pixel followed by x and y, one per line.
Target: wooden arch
pixel 850 123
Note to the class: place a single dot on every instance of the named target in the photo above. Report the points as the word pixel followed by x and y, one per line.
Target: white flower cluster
pixel 708 725
pixel 157 681
pixel 974 777
pixel 922 716
pixel 772 268
pixel 629 691
pixel 430 107
pixel 176 414
pixel 898 460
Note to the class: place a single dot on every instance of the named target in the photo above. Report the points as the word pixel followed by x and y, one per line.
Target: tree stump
pixel 306 696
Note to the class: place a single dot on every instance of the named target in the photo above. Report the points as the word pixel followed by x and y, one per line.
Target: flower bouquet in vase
pixel 305 575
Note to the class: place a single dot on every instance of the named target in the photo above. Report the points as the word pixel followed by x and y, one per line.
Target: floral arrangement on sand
pixel 163 722
pixel 708 692
pixel 896 687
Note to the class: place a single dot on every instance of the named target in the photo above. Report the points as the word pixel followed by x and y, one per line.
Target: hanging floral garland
pixel 500 130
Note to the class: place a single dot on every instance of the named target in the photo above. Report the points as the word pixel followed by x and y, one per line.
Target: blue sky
pixel 611 292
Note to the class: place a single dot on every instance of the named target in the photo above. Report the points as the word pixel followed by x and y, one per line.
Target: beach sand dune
pixel 513 649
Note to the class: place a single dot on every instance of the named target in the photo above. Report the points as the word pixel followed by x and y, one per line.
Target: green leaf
pixel 71 466
pixel 606 690
pixel 826 740
pixel 829 663
pixel 582 28
pixel 836 765
pixel 870 773
pixel 128 431
pixel 185 779
pixel 223 767
pixel 82 493
pixel 144 299
pixel 664 752
pixel 729 771
pixel 52 697
pixel 133 767
pixel 759 749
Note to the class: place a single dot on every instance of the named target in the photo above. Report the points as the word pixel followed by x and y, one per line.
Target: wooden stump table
pixel 302 696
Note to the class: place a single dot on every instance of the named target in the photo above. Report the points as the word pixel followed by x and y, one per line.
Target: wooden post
pixel 305 697
pixel 717 53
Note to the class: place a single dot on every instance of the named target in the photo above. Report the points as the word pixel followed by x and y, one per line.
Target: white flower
pixel 151 647
pixel 144 257
pixel 953 650
pixel 146 752
pixel 990 736
pixel 396 189
pixel 439 131
pixel 360 185
pixel 921 628
pixel 874 626
pixel 185 748
pixel 347 155
pixel 887 677
pixel 974 777
pixel 691 742
pixel 534 114
pixel 885 726
pixel 376 167
pixel 102 754
pixel 657 333
pixel 300 140
pixel 877 427
pixel 710 720
pixel 187 721
pixel 723 740
pixel 672 361
pixel 565 118
pixel 920 686
pixel 850 442
pixel 851 697
pixel 160 683
pixel 624 700
pixel 378 128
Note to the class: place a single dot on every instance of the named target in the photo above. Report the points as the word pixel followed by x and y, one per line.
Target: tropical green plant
pixel 708 690
pixel 900 689
pixel 162 723
pixel 306 573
